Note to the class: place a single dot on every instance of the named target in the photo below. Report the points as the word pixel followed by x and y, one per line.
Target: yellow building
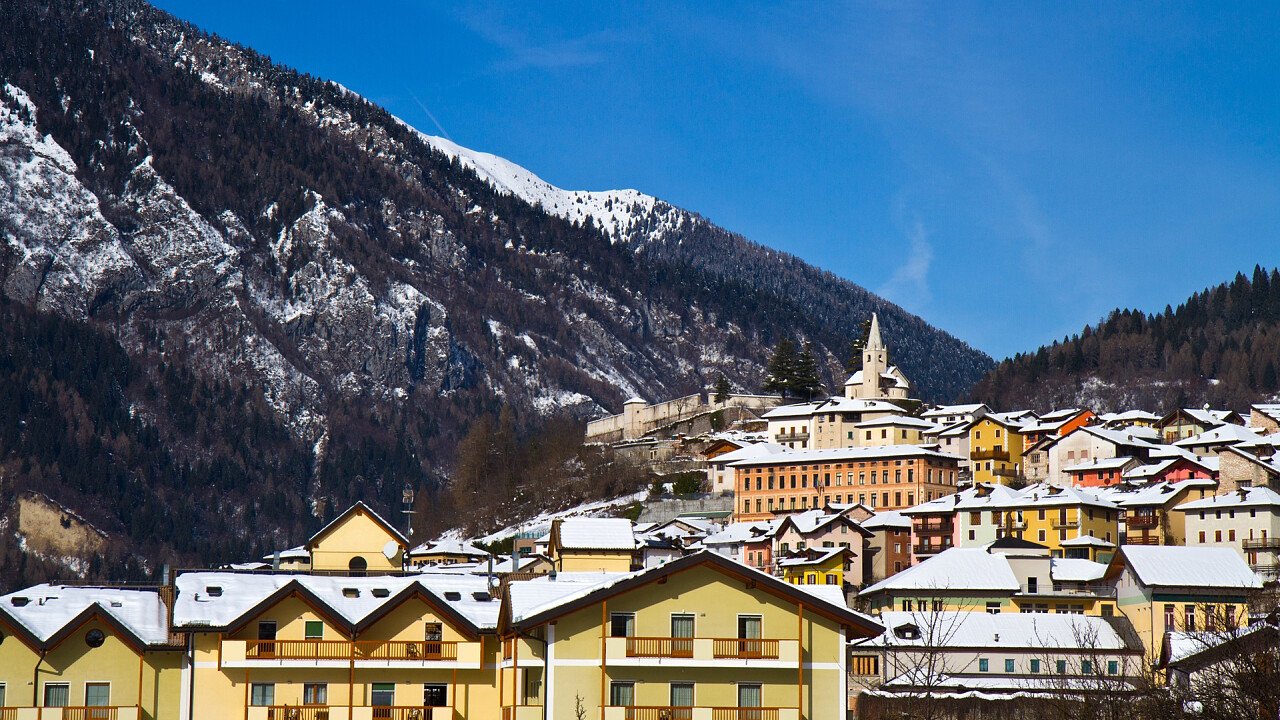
pixel 995 449
pixel 270 645
pixel 88 652
pixel 696 638
pixel 358 540
pixel 825 566
pixel 1069 521
pixel 1164 588
pixel 592 545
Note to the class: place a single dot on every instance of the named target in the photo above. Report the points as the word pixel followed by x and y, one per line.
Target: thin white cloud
pixel 909 284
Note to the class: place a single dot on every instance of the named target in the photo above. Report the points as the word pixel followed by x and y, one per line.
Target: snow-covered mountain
pixel 270 248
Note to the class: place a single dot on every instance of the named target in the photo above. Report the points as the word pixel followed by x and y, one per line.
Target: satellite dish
pixel 390 549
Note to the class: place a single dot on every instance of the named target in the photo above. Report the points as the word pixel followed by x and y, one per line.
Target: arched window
pixel 358 564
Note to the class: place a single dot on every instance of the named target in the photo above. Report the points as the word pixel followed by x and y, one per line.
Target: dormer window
pixel 214 590
pixel 350 592
pixel 380 592
pixel 453 596
pixel 907 632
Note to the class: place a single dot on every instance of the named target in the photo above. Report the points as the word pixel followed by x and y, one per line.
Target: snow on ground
pixel 542 522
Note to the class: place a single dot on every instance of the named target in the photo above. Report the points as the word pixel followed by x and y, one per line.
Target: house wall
pixel 716 601
pixel 987 436
pixel 1235 472
pixel 356 536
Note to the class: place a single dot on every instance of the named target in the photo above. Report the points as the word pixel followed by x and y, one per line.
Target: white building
pixel 1247 521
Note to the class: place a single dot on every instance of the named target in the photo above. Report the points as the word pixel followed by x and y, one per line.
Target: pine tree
pixel 806 381
pixel 723 389
pixel 781 373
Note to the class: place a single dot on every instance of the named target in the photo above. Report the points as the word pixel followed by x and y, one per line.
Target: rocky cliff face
pixel 232 221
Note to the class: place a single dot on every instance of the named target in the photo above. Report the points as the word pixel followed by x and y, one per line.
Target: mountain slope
pixel 359 291
pixel 1222 346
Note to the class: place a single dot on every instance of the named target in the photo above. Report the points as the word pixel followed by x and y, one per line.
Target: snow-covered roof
pixel 1154 493
pixel 1187 567
pixel 953 570
pixel 1271 410
pixel 1259 496
pixel 1076 570
pixel 847 454
pixel 358 508
pixel 1087 541
pixel 1043 495
pixel 46 610
pixel 219 599
pixel 747 452
pixel 740 532
pixel 948 503
pixel 804 409
pixel 1227 434
pixel 1207 418
pixel 890 519
pixel 1181 645
pixel 816 557
pixel 996 496
pixel 998 631
pixel 540 598
pixel 1114 463
pixel 946 410
pixel 448 546
pixel 1135 436
pixel 291 555
pixel 581 533
pixel 898 421
pixel 1128 416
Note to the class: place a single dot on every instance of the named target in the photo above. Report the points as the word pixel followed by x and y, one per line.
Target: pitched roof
pixel 1259 496
pixel 1222 435
pixel 358 509
pixel 998 631
pixel 752 450
pixel 888 519
pixel 1176 566
pixel 584 533
pixel 953 570
pixel 448 546
pixel 815 556
pixel 899 421
pixel 743 532
pixel 45 613
pixel 1076 570
pixel 214 599
pixel 533 602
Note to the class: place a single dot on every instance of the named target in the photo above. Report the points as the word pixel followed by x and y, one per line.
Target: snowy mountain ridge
pixel 620 214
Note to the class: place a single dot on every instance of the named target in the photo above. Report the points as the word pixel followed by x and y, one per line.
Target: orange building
pixel 889 477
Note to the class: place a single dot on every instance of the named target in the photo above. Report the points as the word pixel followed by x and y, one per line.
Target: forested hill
pixel 300 301
pixel 1222 346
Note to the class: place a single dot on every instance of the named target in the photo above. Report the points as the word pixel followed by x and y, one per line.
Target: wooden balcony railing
pixel 992 454
pixel 401 712
pixel 658 712
pixel 298 712
pixel 348 650
pixel 748 649
pixel 744 713
pixel 660 647
pixel 926 549
pixel 1134 539
pixel 1142 521
pixel 1059 523
pixel 9 713
pixel 89 713
pixel 1266 543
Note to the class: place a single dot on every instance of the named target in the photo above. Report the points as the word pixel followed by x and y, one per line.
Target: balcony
pixel 1060 590
pixel 522 712
pixel 1142 521
pixel 1005 472
pixel 993 454
pixel 792 437
pixel 339 653
pixel 639 712
pixel 1131 539
pixel 699 651
pixel 1270 569
pixel 926 549
pixel 1060 524
pixel 1268 543
pixel 934 527
pixel 342 712
pixel 108 712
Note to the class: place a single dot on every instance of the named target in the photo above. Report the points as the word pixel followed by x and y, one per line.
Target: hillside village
pixel 856 556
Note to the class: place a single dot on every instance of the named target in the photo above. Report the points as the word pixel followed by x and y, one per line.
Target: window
pixel 749 695
pixel 906 606
pixel 313 630
pixel 1168 617
pixel 437 695
pixel 1113 667
pixel 749 627
pixel 982 665
pixel 993 608
pixel 94 638
pixel 262 694
pixel 1062 667
pixel 682 694
pixel 1086 667
pixel 1035 666
pixel 382 694
pixel 682 627
pixel 1008 665
pixel 2 698
pixel 622 624
pixel 315 694
pixel 97 694
pixel 622 694
pixel 1189 618
pixel 358 564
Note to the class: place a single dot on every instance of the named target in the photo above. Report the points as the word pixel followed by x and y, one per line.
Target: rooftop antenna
pixel 407 499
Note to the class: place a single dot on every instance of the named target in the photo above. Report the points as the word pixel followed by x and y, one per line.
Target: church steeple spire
pixel 873 335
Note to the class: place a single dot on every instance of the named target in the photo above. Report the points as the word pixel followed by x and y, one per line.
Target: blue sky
pixel 1008 171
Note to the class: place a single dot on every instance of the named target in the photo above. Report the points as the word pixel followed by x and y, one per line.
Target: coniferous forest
pixel 1222 347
